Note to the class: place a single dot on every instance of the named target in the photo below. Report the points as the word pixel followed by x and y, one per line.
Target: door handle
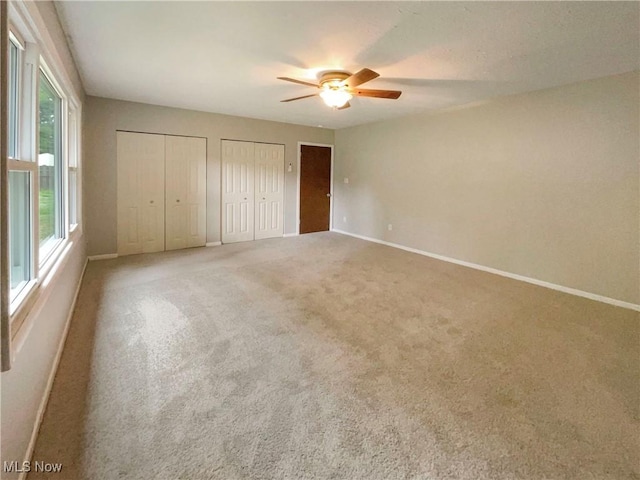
pixel 178 200
pixel 328 194
pixel 263 198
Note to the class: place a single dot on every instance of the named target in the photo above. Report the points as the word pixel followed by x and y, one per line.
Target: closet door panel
pixel 237 191
pixel 196 193
pixel 176 193
pixel 152 172
pixel 128 194
pixel 186 197
pixel 269 194
pixel 140 192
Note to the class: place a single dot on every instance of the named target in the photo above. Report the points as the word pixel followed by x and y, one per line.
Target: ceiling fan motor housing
pixel 332 78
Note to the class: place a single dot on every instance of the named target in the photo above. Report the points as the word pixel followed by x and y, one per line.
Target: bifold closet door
pixel 269 190
pixel 237 191
pixel 140 185
pixel 186 198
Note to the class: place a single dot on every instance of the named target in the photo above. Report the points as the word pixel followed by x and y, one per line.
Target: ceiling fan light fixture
pixel 336 88
pixel 335 97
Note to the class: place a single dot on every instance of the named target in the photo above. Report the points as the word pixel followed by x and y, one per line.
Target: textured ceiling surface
pixel 224 57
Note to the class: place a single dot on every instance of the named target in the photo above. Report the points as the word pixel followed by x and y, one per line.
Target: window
pixel 49 167
pixel 73 170
pixel 14 95
pixel 43 169
pixel 20 231
pixel 20 181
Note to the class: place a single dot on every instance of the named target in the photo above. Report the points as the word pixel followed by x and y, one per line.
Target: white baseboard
pixel 105 256
pixel 213 244
pixel 52 375
pixel 287 235
pixel 534 281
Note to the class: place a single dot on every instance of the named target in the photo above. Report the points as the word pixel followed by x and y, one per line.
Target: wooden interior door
pixel 237 191
pixel 269 190
pixel 315 188
pixel 186 159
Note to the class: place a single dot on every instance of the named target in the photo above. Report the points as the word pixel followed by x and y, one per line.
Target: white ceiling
pixel 224 57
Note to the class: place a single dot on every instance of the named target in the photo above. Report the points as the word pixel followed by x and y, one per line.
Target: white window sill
pixel 21 298
pixel 49 252
pixel 31 308
pixel 28 308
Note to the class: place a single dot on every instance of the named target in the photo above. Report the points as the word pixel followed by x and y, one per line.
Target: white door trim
pixel 311 144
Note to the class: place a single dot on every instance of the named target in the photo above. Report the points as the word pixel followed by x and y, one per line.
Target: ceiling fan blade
pixel 360 77
pixel 301 82
pixel 299 98
pixel 391 94
pixel 346 105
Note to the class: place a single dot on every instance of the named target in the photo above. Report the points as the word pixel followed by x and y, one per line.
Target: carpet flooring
pixel 327 357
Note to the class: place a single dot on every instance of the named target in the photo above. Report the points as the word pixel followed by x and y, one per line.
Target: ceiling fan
pixel 336 88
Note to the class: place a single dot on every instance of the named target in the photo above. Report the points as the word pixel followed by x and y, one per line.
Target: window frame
pixel 16 40
pixel 21 163
pixel 54 243
pixel 38 54
pixel 24 289
pixel 73 165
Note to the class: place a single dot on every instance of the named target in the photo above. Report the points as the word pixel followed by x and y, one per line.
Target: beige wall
pixel 25 385
pixel 544 185
pixel 104 116
pixel 49 15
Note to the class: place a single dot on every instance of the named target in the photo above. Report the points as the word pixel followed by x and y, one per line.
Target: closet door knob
pixel 245 198
pixel 178 200
pixel 151 201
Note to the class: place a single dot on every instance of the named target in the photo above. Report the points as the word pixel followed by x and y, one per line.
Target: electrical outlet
pixel 346 180
pixel 344 219
pixel 389 227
